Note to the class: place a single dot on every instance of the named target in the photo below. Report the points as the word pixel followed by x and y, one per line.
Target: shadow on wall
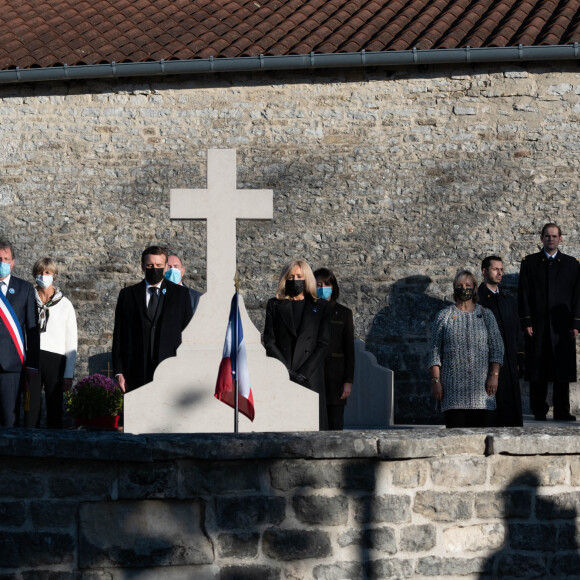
pixel 541 535
pixel 399 337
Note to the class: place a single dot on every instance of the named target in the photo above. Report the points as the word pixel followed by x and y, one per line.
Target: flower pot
pixel 104 422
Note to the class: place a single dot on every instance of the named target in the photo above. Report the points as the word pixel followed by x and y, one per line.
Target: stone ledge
pixel 383 445
pixel 535 441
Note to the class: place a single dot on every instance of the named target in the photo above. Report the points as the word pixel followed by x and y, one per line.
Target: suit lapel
pixel 285 310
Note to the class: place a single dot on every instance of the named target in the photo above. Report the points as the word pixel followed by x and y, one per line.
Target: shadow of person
pixel 541 539
pixel 399 338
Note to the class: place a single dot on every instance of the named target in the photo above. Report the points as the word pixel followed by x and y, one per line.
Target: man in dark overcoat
pixel 504 307
pixel 549 308
pixel 149 319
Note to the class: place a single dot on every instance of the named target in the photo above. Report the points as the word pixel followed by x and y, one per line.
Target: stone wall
pixel 398 504
pixel 395 178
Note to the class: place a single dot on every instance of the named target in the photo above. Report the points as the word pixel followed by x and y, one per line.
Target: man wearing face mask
pixel 19 335
pixel 175 274
pixel 149 319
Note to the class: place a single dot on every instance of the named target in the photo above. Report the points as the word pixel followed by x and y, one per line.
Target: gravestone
pixel 180 399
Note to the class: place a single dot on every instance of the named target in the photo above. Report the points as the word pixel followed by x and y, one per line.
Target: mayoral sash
pixel 10 321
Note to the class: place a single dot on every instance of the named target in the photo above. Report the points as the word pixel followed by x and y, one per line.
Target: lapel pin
pixel 164 291
pixel 11 290
pixel 315 310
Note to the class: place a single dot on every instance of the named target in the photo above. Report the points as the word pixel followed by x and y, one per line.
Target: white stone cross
pixel 221 204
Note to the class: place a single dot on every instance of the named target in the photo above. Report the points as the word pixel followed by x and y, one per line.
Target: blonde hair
pixel 309 280
pixel 42 265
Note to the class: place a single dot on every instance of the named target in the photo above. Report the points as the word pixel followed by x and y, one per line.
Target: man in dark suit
pixel 149 319
pixel 175 274
pixel 549 305
pixel 18 316
pixel 508 397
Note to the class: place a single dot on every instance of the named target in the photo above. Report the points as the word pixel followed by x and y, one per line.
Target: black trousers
pixel 51 372
pixel 456 418
pixel 9 389
pixel 335 417
pixel 561 396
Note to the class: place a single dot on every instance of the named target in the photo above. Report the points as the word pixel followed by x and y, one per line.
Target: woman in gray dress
pixel 465 358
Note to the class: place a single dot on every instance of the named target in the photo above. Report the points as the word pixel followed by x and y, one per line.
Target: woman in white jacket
pixel 58 347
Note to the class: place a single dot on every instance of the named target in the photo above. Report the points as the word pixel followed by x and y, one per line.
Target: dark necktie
pixel 153 302
pixel 2 284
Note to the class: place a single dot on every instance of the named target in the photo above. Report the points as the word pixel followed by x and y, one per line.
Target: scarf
pixel 42 307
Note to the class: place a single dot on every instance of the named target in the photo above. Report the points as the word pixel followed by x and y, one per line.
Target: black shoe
pixel 540 417
pixel 565 417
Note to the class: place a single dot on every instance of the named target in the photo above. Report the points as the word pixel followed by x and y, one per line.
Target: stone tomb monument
pixel 180 399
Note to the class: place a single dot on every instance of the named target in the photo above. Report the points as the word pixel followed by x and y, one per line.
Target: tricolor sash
pixel 10 321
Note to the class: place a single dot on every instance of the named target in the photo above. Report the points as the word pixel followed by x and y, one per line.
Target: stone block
pixel 507 504
pixel 389 568
pixel 53 514
pixel 147 481
pixel 51 575
pixel 250 572
pixel 560 506
pixel 409 473
pixel 12 514
pixel 481 537
pixel 458 471
pixel 533 471
pixel 431 443
pixel 93 481
pixel 540 441
pixel 35 549
pixel 213 477
pixel 352 474
pixel 568 537
pixel 338 571
pixel 289 545
pixel 575 471
pixel 385 508
pixel 533 537
pixel 247 511
pixel 566 565
pixel 382 539
pixel 238 545
pixel 436 566
pixel 320 509
pixel 19 480
pixel 444 506
pixel 143 534
pixel 520 566
pixel 419 538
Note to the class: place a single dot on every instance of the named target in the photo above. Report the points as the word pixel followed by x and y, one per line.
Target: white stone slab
pixel 180 399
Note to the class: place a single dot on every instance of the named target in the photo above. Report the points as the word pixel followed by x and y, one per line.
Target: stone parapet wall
pixel 397 504
pixel 395 178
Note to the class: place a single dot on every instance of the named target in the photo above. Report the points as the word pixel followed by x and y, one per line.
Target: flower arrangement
pixel 94 396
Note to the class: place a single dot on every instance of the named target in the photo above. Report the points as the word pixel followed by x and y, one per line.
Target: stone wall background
pixel 398 504
pixel 394 178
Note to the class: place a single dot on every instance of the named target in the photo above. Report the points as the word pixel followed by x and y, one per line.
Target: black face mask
pixel 154 275
pixel 294 288
pixel 463 294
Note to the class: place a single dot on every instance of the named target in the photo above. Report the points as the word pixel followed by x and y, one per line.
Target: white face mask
pixel 44 281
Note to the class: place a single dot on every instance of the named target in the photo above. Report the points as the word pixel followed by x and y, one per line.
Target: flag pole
pixel 235 345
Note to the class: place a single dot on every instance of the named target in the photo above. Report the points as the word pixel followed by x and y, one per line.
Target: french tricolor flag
pixel 234 366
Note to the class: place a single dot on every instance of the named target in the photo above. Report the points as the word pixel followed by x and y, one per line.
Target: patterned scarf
pixel 42 307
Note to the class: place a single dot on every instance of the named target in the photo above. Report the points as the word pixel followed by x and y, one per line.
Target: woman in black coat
pixel 297 330
pixel 339 364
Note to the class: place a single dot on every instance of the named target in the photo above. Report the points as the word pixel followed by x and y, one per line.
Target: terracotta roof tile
pixel 49 32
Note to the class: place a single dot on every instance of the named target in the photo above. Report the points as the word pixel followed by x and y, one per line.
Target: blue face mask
pixel 324 292
pixel 173 275
pixel 4 269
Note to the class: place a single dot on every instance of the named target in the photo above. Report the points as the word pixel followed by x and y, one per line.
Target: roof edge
pixel 210 65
